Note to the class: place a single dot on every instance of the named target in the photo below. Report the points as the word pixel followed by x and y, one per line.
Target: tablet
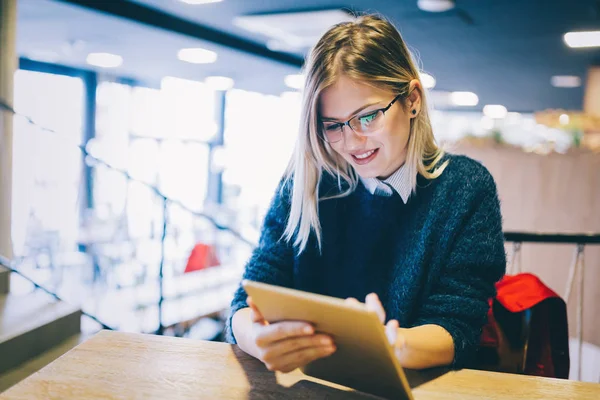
pixel 364 360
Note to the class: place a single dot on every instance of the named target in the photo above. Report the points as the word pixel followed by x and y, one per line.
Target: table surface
pixel 116 365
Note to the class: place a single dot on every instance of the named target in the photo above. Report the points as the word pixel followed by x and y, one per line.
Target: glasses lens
pixel 332 133
pixel 367 123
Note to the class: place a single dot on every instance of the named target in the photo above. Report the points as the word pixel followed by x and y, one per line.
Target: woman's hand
pixel 392 330
pixel 287 345
pixel 420 347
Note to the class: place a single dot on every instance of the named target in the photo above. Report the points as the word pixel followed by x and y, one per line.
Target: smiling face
pixel 383 151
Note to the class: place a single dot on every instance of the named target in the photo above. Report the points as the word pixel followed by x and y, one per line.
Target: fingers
pixel 273 354
pixel 272 333
pixel 285 346
pixel 391 331
pixel 290 361
pixel 256 316
pixel 352 300
pixel 374 304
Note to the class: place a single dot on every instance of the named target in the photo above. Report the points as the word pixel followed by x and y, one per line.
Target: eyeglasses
pixel 362 124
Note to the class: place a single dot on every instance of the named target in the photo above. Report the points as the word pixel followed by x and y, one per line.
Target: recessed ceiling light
pixel 197 56
pixel 435 5
pixel 582 39
pixel 464 99
pixel 196 2
pixel 565 81
pixel 104 60
pixel 427 80
pixel 219 82
pixel 495 111
pixel 295 81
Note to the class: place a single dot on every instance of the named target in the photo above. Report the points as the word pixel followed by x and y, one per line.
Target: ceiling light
pixel 219 82
pixel 582 39
pixel 104 60
pixel 563 119
pixel 196 2
pixel 427 80
pixel 565 81
pixel 495 111
pixel 295 81
pixel 464 99
pixel 197 56
pixel 435 5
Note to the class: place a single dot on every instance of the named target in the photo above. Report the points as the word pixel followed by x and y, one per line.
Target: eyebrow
pixel 354 113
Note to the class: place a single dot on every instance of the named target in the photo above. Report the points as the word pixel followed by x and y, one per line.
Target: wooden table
pixel 114 365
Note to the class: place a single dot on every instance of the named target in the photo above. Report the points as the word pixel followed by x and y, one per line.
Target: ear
pixel 413 102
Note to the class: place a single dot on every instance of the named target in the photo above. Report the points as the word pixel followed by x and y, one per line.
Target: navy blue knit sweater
pixel 433 260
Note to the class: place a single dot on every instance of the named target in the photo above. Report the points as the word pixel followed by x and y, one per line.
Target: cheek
pixel 397 135
pixel 337 147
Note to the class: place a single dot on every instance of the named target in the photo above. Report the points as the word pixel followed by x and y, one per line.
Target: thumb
pixel 374 304
pixel 391 331
pixel 255 314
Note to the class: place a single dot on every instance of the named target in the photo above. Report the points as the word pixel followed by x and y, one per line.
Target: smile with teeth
pixel 364 155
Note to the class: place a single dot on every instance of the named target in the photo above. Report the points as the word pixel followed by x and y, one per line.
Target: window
pixel 260 132
pixel 158 136
pixel 47 167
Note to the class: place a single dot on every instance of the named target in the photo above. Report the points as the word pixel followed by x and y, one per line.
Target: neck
pixel 387 175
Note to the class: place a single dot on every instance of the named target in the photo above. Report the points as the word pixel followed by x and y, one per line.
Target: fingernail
pixel 308 330
pixel 325 341
pixel 330 349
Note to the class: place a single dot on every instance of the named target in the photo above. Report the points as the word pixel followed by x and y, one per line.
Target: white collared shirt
pixel 398 181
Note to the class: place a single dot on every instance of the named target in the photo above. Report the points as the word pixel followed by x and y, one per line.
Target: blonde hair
pixel 370 50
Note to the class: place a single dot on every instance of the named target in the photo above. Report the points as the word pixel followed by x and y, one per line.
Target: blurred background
pixel 141 143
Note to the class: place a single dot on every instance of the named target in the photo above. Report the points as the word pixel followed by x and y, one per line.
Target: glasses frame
pixel 341 125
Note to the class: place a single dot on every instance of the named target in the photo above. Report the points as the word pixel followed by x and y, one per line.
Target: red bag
pixel 528 319
pixel 203 256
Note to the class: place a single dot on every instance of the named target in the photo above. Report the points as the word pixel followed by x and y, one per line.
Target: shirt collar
pixel 398 181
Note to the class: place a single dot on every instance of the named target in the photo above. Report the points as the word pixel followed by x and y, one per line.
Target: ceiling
pixel 64 34
pixel 506 51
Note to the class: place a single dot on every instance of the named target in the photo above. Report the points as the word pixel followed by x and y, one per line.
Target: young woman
pixel 370 208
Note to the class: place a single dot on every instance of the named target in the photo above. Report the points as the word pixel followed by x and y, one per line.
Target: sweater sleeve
pixel 459 296
pixel 272 260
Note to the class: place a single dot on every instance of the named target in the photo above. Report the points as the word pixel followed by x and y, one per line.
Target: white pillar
pixel 8 65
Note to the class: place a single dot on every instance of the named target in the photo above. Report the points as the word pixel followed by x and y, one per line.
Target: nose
pixel 352 141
